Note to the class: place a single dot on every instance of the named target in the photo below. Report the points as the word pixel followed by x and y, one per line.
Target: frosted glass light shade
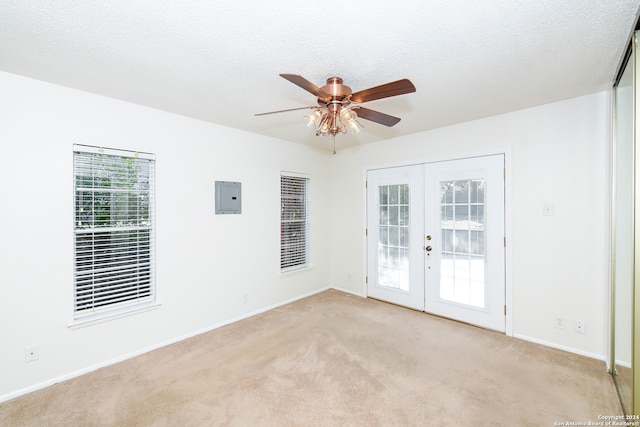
pixel 313 118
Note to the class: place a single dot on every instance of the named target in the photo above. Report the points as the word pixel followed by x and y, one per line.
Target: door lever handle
pixel 428 248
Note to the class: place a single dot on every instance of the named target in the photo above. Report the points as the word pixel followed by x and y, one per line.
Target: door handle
pixel 428 248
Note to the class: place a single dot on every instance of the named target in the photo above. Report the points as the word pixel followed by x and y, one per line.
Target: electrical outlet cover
pixel 558 322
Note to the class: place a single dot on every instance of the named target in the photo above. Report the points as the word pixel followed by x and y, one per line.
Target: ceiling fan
pixel 336 112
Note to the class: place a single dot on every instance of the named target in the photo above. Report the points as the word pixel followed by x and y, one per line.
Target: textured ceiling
pixel 219 60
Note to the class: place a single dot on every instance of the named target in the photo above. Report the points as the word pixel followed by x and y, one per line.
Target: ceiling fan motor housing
pixel 336 90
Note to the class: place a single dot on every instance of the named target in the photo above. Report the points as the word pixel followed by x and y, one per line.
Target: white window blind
pixel 294 222
pixel 114 231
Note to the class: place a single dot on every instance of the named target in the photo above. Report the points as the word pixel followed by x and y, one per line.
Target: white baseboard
pixel 347 291
pixel 623 364
pixel 77 373
pixel 561 347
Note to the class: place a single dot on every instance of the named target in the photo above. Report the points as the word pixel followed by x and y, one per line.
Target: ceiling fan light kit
pixel 333 119
pixel 335 114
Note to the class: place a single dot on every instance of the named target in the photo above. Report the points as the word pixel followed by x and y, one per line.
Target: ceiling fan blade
pixel 399 87
pixel 289 109
pixel 376 116
pixel 305 84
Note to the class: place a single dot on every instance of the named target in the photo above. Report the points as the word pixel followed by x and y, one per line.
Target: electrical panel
pixel 228 197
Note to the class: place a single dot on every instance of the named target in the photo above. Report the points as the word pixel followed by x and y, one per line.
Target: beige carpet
pixel 331 360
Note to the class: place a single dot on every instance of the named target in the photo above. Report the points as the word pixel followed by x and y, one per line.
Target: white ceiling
pixel 219 60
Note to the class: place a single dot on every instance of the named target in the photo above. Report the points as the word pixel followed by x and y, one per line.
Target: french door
pixel 394 253
pixel 436 238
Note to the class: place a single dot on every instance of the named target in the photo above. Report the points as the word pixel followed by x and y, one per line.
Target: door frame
pixel 507 215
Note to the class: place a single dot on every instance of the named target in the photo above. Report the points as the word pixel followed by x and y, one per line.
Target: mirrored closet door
pixel 623 223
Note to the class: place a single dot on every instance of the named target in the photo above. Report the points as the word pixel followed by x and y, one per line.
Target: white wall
pixel 205 262
pixel 559 264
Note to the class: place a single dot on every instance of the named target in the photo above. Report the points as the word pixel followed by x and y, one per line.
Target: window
pixel 113 231
pixel 294 222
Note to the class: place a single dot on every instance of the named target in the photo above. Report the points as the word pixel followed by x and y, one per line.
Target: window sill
pixel 113 315
pixel 294 271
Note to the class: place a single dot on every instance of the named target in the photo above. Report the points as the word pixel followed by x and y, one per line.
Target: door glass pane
pixel 462 227
pixel 404 215
pixel 393 236
pixel 393 215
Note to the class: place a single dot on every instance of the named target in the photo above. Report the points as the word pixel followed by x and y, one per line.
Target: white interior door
pixel 464 226
pixel 395 217
pixel 436 238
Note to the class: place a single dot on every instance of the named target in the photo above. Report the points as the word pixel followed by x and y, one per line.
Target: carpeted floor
pixel 332 360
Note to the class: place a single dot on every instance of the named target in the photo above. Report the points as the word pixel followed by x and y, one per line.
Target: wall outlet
pixel 245 298
pixel 558 322
pixel 31 353
pixel 579 326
